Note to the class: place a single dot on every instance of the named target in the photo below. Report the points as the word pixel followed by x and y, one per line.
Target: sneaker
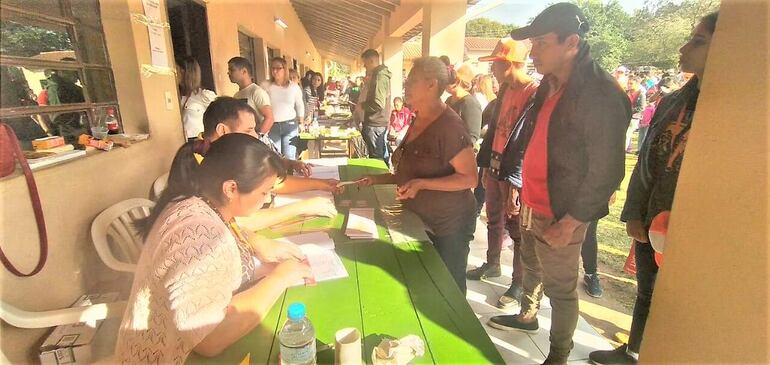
pixel 511 298
pixel 592 285
pixel 484 271
pixel 511 323
pixel 616 356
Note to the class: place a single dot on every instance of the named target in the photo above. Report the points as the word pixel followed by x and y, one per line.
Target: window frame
pixel 67 20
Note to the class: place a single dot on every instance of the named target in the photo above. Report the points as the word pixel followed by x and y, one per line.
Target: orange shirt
pixel 535 166
pixel 511 106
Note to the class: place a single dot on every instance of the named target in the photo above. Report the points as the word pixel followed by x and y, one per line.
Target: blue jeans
pixel 374 137
pixel 285 136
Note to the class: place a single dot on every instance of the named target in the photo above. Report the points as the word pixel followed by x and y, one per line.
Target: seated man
pixel 229 115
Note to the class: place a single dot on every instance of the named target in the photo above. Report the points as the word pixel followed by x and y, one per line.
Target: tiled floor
pixel 518 347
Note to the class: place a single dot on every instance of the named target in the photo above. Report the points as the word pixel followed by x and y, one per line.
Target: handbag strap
pixel 36 206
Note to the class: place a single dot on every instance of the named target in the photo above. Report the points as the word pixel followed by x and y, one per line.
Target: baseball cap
pixel 560 18
pixel 510 50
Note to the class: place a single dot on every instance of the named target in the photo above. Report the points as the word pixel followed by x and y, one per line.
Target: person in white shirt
pixel 288 108
pixel 240 72
pixel 194 98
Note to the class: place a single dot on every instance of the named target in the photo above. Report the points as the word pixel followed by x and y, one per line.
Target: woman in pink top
pixel 201 283
pixel 400 118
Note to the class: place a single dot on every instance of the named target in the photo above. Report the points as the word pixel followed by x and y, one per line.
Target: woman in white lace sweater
pixel 201 283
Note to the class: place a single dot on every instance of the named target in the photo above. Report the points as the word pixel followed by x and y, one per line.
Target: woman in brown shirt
pixel 435 168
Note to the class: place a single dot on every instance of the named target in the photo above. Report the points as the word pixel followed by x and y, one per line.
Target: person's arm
pixel 369 180
pixel 296 184
pixel 299 104
pixel 248 308
pixel 264 218
pixel 465 177
pixel 267 123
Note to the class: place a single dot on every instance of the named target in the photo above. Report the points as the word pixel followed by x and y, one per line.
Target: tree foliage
pixel 651 36
pixel 27 40
pixel 487 28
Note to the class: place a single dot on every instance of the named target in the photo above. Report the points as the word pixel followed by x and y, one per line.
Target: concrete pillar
pixel 393 58
pixel 443 29
pixel 710 303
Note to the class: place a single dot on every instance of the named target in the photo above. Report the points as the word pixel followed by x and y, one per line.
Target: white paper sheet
pixel 326 172
pixel 324 264
pixel 320 239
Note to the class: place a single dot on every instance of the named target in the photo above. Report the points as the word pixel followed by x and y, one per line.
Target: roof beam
pixel 323 29
pixel 332 8
pixel 356 4
pixel 382 5
pixel 308 13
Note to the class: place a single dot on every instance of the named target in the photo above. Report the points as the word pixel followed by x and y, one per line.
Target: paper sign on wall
pixel 155 27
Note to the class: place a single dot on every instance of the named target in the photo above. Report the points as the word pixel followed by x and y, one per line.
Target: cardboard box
pixel 71 343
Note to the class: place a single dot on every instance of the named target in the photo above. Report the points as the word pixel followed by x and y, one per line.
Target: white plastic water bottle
pixel 297 338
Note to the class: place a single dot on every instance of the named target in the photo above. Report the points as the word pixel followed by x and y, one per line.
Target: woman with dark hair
pixel 201 283
pixel 435 168
pixel 313 98
pixel 653 182
pixel 195 99
pixel 288 108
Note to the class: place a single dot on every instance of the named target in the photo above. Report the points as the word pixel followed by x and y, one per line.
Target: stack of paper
pixel 361 224
pixel 326 172
pixel 337 161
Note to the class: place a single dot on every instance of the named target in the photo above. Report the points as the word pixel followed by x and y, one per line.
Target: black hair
pixel 446 60
pixel 223 109
pixel 398 98
pixel 369 53
pixel 235 156
pixel 241 63
pixel 710 21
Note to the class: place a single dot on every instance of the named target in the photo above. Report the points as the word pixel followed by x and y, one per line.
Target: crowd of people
pixel 545 157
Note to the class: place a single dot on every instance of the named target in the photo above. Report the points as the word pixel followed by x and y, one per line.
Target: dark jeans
pixel 590 246
pixel 454 250
pixel 646 273
pixel 374 137
pixel 285 135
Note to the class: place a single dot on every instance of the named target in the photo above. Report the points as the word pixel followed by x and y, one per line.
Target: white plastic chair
pixel 116 240
pixel 52 318
pixel 158 186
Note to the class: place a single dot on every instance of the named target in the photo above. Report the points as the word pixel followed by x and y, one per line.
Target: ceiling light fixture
pixel 281 23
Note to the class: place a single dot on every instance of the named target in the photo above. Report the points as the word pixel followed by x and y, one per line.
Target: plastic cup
pixel 347 347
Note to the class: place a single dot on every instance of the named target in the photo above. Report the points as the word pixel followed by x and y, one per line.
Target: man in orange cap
pixel 500 157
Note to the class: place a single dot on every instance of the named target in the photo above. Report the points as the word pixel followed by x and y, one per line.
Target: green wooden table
pixel 397 286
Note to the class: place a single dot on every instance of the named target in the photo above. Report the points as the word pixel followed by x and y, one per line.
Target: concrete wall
pixel 75 192
pixel 227 17
pixel 711 298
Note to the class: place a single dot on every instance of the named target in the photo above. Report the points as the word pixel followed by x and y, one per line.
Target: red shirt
pixel 513 104
pixel 535 165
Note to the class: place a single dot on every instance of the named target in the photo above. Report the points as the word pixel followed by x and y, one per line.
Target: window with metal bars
pixel 54 68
